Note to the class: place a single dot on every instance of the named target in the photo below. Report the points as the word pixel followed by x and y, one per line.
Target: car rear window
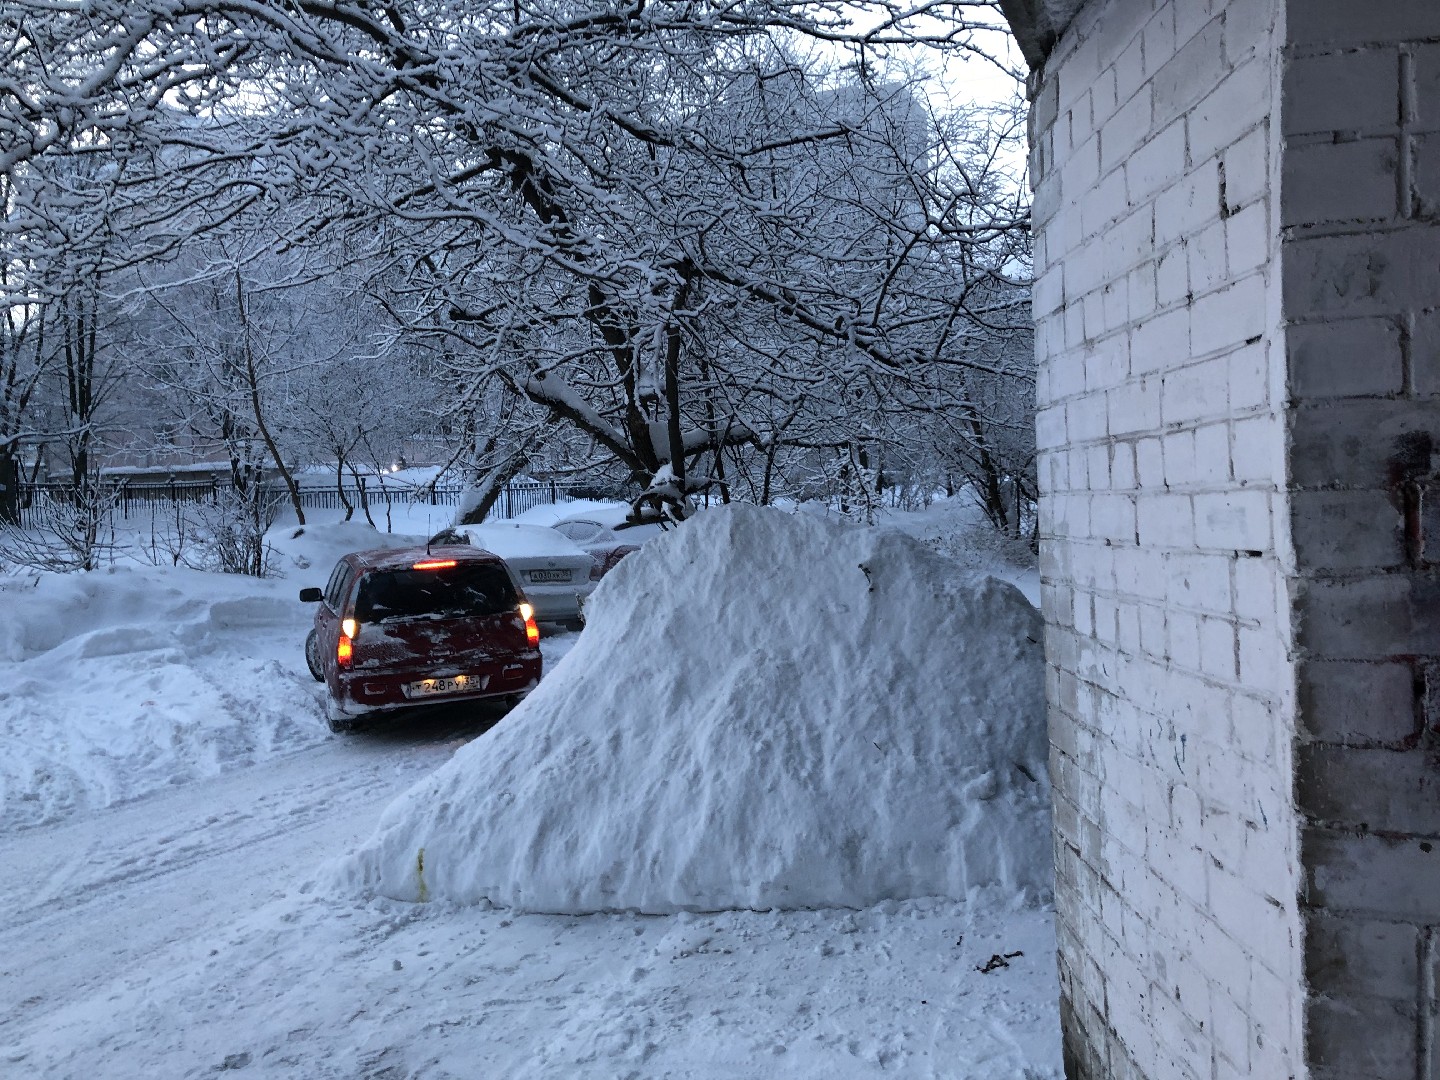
pixel 466 589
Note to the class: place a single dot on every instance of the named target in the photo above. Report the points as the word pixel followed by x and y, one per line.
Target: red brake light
pixel 532 632
pixel 433 564
pixel 344 651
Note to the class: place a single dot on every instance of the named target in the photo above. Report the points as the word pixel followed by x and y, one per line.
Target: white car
pixel 606 535
pixel 553 573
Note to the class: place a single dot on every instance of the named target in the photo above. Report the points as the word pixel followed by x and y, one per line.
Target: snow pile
pixel 315 549
pixel 764 711
pixel 124 681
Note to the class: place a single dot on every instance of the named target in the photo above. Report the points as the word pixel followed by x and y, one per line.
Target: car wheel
pixel 312 656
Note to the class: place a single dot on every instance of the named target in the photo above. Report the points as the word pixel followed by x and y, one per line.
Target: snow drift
pixel 121 682
pixel 764 711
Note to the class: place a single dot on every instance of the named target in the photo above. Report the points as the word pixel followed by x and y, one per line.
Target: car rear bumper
pixel 556 605
pixel 364 691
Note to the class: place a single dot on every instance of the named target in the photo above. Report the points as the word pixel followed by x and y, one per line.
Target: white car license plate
pixel 451 684
pixel 549 575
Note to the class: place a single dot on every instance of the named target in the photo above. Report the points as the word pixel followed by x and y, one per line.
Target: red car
pixel 399 628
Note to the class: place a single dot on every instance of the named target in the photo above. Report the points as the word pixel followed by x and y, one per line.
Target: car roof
pixel 518 541
pixel 404 558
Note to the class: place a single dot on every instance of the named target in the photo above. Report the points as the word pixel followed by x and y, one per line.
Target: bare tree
pixel 650 221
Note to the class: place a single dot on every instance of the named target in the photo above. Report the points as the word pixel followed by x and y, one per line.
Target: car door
pixel 330 612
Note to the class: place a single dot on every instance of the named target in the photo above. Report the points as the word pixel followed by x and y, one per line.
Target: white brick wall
pixel 1164 541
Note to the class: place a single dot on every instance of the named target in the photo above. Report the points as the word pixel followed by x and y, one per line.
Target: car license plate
pixel 549 575
pixel 451 684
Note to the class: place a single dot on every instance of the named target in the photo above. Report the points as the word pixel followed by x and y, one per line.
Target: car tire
pixel 312 656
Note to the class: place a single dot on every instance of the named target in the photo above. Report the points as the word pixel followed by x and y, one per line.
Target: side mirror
pixel 311 596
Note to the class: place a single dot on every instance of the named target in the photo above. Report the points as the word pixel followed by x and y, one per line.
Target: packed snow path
pixel 179 934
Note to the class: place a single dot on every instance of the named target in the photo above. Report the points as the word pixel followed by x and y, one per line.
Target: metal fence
pixel 129 501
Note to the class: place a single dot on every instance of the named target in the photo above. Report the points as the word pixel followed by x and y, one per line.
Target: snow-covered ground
pixel 182 899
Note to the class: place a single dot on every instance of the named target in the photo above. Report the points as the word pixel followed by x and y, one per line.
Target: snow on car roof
pixel 512 541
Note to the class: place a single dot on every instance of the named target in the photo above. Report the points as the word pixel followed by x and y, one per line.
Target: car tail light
pixel 433 564
pixel 344 651
pixel 597 567
pixel 532 632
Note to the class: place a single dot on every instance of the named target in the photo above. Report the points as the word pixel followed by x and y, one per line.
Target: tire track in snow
pixel 92 896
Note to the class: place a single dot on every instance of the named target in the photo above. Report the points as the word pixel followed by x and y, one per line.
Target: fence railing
pixel 129 500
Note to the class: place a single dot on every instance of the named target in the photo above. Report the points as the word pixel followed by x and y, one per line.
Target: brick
pixel 1161 342
pixel 1426 95
pixel 1346 530
pixel 1347 358
pixel 1128 243
pixel 1328 183
pixel 1247 169
pixel 1158 39
pixel 1229 317
pixel 1106 364
pixel 1355 442
pixel 1124 131
pixel 1248 243
pixel 1352 276
pixel 1149 464
pixel 1240 102
pixel 1188 75
pixel 1155 164
pixel 1257 452
pixel 1425 353
pixel 1360 956
pixel 1188 204
pixel 1333 23
pixel 1050 427
pixel 1249 27
pixel 1165 521
pixel 1355 91
pixel 1212 455
pixel 1234 520
pixel 1134 407
pixel 1254 378
pixel 1380 789
pixel 1140 292
pixel 1218 649
pixel 1172 277
pixel 1122 466
pixel 1048 293
pixel 1085 418
pixel 1425 183
pixel 1129 68
pixel 1205 256
pixel 1366 619
pixel 1357 703
pixel 1360 1039
pixel 1256 588
pixel 1253 731
pixel 1230 1028
pixel 1196 392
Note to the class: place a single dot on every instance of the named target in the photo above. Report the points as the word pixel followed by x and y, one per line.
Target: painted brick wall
pixel 1165 545
pixel 1360 112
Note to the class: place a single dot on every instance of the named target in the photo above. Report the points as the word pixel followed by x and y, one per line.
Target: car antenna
pixel 446 536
